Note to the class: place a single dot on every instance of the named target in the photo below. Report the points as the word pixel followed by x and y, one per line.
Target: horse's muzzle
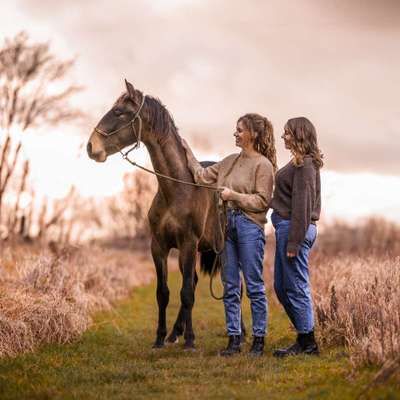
pixel 99 156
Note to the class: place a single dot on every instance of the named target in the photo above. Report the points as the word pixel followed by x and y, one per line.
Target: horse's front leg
pixel 179 325
pixel 160 260
pixel 187 263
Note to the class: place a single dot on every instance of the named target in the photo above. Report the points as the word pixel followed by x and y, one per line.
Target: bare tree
pixel 33 93
pixel 126 213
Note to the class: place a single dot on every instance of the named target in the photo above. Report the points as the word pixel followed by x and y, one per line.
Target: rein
pixel 222 218
pixel 222 209
pixel 135 164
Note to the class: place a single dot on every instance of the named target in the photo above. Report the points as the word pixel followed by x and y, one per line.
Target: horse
pixel 182 217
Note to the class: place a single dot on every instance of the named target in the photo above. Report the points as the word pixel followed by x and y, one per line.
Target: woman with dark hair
pixel 297 204
pixel 247 179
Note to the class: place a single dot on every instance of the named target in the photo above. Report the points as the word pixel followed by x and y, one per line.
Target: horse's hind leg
pixel 179 325
pixel 160 260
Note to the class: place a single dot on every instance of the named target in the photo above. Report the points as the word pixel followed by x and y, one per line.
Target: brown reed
pixel 357 304
pixel 49 297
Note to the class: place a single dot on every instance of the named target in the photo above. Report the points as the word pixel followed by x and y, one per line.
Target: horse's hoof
pixel 158 345
pixel 172 340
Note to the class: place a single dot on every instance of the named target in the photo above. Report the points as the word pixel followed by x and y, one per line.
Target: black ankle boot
pixel 233 346
pixel 257 348
pixel 305 344
pixel 288 351
pixel 308 343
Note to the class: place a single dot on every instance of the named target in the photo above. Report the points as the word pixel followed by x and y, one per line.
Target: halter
pixel 131 123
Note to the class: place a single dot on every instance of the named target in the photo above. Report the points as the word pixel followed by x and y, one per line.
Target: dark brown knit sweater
pixel 297 196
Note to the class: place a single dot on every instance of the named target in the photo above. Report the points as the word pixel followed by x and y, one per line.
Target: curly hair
pixel 304 141
pixel 262 132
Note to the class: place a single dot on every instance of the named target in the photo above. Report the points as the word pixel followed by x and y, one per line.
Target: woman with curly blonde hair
pixel 247 179
pixel 297 205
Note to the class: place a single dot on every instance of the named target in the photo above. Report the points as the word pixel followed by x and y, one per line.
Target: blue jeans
pixel 291 276
pixel 244 250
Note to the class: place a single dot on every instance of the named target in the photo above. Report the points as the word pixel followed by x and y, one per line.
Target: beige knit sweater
pixel 250 177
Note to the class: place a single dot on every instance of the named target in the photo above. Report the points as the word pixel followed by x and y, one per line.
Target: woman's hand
pixel 226 194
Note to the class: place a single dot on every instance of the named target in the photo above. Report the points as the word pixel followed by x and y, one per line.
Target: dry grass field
pixel 48 296
pixel 52 296
pixel 356 282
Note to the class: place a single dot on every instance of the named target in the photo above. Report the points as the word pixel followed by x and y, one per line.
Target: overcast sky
pixel 336 62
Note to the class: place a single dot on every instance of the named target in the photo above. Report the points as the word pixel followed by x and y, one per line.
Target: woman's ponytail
pixel 269 149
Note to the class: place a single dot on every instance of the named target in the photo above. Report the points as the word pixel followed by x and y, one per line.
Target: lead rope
pixel 219 258
pixel 223 224
pixel 222 214
pixel 222 218
pixel 135 164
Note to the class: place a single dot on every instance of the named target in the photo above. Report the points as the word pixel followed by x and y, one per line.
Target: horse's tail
pixel 210 262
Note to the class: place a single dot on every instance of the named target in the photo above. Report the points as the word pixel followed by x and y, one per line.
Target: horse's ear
pixel 130 89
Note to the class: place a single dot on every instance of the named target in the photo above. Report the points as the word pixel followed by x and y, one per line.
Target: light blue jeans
pixel 244 250
pixel 291 275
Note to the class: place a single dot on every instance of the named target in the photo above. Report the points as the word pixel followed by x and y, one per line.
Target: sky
pixel 336 62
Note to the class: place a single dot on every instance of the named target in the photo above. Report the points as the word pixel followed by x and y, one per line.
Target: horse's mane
pixel 160 120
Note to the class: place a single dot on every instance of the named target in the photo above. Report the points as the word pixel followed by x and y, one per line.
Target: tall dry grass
pixel 373 236
pixel 356 284
pixel 357 304
pixel 49 288
pixel 355 279
pixel 49 296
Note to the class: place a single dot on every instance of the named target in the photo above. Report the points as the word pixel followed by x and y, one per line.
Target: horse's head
pixel 120 127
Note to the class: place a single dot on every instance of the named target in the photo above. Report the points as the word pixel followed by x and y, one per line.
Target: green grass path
pixel 114 360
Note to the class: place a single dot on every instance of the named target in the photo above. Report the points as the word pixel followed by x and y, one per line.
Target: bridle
pixel 131 123
pixel 222 218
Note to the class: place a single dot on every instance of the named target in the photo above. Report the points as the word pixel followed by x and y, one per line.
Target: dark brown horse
pixel 181 216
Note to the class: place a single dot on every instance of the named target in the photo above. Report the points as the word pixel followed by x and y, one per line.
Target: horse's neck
pixel 169 159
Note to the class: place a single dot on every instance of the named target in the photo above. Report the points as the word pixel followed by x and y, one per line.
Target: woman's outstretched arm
pixel 208 175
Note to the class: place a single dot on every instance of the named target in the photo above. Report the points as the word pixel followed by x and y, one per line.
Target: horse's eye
pixel 118 112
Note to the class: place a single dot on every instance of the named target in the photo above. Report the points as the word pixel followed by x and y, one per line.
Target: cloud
pixel 210 62
pixel 365 13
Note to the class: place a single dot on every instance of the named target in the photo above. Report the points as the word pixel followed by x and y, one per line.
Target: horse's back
pixel 206 164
